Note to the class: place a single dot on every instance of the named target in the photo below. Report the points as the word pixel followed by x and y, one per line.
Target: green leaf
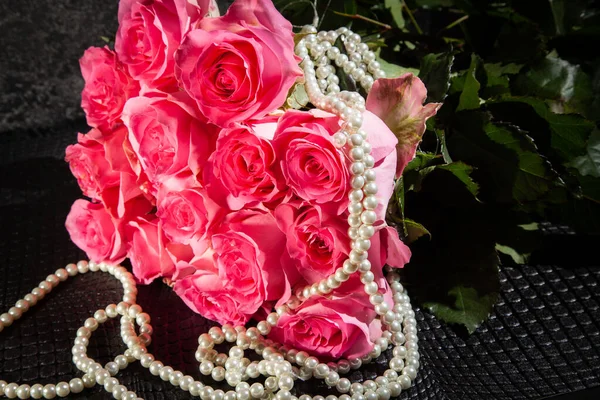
pixel 395 7
pixel 568 132
pixel 395 71
pixel 469 98
pixel 520 237
pixel 469 309
pixel 422 160
pixel 557 80
pixel 509 251
pixel 535 175
pixel 105 39
pixel 460 253
pixel 558 13
pixel 441 135
pixel 509 168
pixel 463 172
pixel 350 7
pixel 435 74
pixel 413 230
pixel 498 76
pixel 520 40
pixel 499 69
pixel 589 165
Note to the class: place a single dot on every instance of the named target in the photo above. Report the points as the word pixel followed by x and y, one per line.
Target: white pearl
pixel 49 391
pixel 257 390
pixel 35 391
pixel 368 217
pixel 71 270
pixel 62 389
pixel 15 312
pixel 76 385
pixel 356 195
pixel 165 373
pixel 370 188
pixel 6 319
pixel 22 391
pixel 22 305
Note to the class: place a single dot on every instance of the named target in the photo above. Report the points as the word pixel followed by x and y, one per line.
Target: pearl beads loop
pixel 280 365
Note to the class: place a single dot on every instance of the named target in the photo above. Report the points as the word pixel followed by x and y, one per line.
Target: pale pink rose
pixel 244 268
pixel 330 328
pixel 147 253
pixel 239 66
pixel 107 87
pixel 399 103
pixel 166 139
pixel 96 232
pixel 313 167
pixel 316 240
pixel 151 30
pixel 186 216
pixel 388 249
pixel 244 171
pixel 383 149
pixel 88 163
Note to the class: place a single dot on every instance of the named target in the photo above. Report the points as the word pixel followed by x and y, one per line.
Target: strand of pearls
pixel 93 372
pixel 281 366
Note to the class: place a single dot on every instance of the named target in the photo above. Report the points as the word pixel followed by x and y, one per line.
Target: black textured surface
pixel 543 338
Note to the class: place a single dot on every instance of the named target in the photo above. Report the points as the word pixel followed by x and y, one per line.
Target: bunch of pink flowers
pixel 196 174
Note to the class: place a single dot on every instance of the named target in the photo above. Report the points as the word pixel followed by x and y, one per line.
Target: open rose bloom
pixel 197 171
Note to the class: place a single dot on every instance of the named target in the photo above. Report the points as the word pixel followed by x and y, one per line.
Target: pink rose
pixel 166 139
pixel 399 103
pixel 313 167
pixel 94 231
pixel 241 271
pixel 330 328
pixel 317 171
pixel 88 163
pixel 151 30
pixel 317 241
pixel 239 66
pixel 133 182
pixel 186 216
pixel 205 294
pixel 147 252
pixel 107 87
pixel 244 169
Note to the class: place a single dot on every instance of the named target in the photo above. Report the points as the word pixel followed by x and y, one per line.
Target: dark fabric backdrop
pixel 542 340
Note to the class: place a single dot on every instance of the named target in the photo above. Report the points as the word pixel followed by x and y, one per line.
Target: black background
pixel 542 340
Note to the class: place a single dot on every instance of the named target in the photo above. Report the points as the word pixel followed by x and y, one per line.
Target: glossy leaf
pixel 463 172
pixel 413 230
pixel 589 164
pixel 470 308
pixel 557 80
pixel 395 7
pixel 435 74
pixel 393 70
pixel 568 132
pixel 469 98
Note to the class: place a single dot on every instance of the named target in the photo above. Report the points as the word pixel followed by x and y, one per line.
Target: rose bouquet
pixel 198 170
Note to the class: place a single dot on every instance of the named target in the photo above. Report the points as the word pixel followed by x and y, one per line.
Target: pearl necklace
pixel 280 365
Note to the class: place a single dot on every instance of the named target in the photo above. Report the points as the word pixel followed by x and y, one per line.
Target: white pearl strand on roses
pixel 398 323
